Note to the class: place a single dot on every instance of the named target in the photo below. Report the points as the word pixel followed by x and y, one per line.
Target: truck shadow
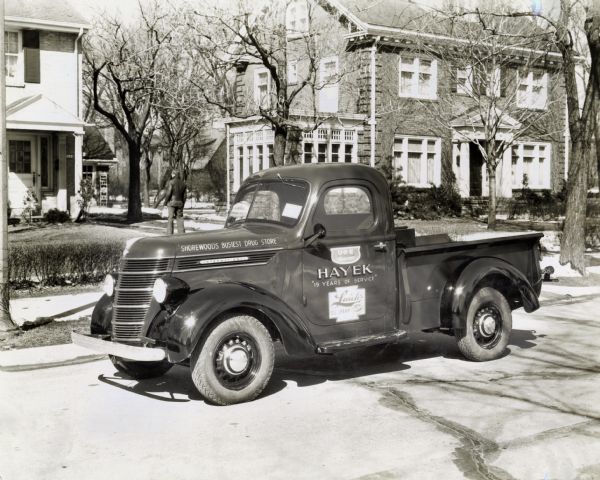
pixel 177 385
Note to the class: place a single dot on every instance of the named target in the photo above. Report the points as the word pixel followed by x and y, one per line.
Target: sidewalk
pixel 71 307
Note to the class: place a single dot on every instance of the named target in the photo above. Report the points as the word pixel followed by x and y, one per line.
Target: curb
pixel 62 363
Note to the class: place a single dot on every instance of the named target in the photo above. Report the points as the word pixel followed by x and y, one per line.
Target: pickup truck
pixel 309 257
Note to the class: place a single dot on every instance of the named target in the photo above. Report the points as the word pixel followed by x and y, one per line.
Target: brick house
pixel 380 109
pixel 43 97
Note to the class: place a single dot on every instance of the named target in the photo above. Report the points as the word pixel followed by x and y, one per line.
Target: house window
pixel 262 87
pixel 418 77
pixel 329 88
pixel 19 154
pixel 531 165
pixel 471 81
pixel 12 56
pixel 532 90
pixel 297 17
pixel 419 160
pixel 252 152
pixel 292 72
pixel 326 145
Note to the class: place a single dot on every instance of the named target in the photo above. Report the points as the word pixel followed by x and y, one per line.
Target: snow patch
pixel 559 270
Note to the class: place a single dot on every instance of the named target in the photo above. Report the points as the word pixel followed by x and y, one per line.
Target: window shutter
pixel 454 80
pixel 31 49
pixel 504 72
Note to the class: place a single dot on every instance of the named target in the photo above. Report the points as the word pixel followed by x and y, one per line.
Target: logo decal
pixel 345 255
pixel 347 303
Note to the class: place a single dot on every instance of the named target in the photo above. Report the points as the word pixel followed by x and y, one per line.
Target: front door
pixel 476 167
pixel 349 275
pixel 24 188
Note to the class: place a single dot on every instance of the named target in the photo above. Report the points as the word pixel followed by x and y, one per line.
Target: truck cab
pixel 309 256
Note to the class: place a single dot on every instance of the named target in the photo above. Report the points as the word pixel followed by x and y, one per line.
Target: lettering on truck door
pixel 348 274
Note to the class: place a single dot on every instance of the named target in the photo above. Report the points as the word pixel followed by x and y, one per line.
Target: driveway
pixel 412 411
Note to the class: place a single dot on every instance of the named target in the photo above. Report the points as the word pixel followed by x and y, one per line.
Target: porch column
pixel 465 177
pixel 504 175
pixel 77 173
pixel 61 194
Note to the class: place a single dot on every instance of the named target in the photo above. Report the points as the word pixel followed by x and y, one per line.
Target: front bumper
pixel 98 344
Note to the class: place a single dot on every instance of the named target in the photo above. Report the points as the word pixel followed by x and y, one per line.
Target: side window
pixel 346 209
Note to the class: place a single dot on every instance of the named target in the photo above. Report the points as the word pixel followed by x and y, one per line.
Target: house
pixel 98 157
pixel 404 96
pixel 43 103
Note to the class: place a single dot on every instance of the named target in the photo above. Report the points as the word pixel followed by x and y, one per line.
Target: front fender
pixel 498 272
pixel 185 327
pixel 102 316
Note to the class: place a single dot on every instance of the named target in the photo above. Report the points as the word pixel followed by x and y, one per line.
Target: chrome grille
pixel 133 294
pixel 233 259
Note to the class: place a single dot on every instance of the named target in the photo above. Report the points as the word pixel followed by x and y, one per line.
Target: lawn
pixel 71 233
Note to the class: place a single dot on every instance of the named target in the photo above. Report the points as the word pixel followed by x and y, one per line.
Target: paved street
pixel 416 410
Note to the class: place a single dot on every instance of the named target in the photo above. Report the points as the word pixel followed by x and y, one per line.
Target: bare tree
pixel 261 35
pixel 122 59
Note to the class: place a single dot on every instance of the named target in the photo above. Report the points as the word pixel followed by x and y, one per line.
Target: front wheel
pixel 140 370
pixel 488 325
pixel 235 362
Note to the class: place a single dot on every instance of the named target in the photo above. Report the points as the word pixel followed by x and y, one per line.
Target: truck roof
pixel 319 173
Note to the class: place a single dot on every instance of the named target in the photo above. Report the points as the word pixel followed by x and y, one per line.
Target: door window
pixel 19 152
pixel 346 209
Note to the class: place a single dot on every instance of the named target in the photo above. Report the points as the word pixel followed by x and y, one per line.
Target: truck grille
pixel 133 294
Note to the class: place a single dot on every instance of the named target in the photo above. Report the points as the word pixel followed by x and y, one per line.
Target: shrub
pixel 57 264
pixel 546 205
pixel 54 215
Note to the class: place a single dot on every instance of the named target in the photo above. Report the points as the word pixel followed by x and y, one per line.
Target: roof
pixel 95 146
pixel 397 18
pixel 57 13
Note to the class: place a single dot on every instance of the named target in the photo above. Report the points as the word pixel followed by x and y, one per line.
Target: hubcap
pixel 487 326
pixel 235 360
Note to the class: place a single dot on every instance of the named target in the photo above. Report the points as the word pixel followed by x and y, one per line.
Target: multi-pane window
pixel 418 159
pixel 478 81
pixel 11 55
pixel 19 156
pixel 262 87
pixel 252 152
pixel 532 90
pixel 418 77
pixel 329 145
pixel 297 17
pixel 531 165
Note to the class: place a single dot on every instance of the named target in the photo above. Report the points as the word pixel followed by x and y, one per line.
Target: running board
pixel 329 348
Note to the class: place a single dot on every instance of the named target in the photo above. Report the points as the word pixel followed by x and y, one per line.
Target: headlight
pixel 109 285
pixel 160 290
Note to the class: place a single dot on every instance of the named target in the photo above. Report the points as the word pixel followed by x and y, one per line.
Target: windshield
pixel 276 201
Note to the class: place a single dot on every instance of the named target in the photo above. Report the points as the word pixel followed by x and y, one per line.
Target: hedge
pixel 59 264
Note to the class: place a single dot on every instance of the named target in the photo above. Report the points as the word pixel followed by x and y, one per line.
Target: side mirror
pixel 319 232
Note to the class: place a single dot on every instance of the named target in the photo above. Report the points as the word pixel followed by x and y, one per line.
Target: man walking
pixel 174 197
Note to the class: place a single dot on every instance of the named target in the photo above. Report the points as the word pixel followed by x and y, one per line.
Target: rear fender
pixel 192 320
pixel 491 272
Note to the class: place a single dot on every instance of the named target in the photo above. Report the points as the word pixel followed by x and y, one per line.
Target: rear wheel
pixel 487 328
pixel 235 362
pixel 140 370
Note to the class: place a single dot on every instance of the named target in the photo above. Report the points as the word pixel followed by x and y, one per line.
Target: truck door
pixel 349 285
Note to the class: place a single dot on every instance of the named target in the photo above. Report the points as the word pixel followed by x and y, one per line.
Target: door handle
pixel 380 247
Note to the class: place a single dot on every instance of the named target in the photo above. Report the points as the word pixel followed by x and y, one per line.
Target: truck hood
pixel 232 239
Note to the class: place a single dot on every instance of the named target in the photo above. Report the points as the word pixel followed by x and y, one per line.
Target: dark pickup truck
pixel 309 257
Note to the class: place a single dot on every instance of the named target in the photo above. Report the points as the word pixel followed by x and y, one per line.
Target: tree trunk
pixel 572 242
pixel 144 180
pixel 134 204
pixel 279 145
pixel 6 322
pixel 491 198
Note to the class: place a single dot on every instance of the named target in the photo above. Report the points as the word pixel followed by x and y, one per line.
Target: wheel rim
pixel 236 361
pixel 487 326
